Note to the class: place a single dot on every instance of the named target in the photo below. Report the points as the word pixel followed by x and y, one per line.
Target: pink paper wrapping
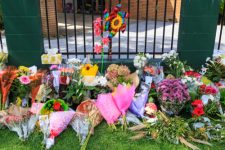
pixel 107 107
pixel 123 97
pixel 59 121
pixel 36 108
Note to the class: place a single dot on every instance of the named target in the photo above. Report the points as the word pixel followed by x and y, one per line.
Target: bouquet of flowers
pixel 6 78
pixel 173 65
pixel 140 61
pixel 55 72
pixel 118 74
pixel 21 86
pixel 54 105
pixel 214 69
pixel 173 94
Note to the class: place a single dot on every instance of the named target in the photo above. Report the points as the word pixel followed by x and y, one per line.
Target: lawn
pixel 103 139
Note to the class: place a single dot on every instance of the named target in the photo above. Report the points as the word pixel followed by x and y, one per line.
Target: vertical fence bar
pixel 156 13
pixel 221 28
pixel 128 31
pixel 164 26
pixel 47 23
pixel 83 14
pixel 174 14
pixel 57 28
pixel 119 38
pixel 92 20
pixel 75 26
pixel 1 41
pixel 137 26
pixel 110 44
pixel 146 26
pixel 65 19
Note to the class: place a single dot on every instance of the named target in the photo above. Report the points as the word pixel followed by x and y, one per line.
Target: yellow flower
pixel 116 23
pixel 205 80
pixel 89 70
pixel 18 101
pixel 24 69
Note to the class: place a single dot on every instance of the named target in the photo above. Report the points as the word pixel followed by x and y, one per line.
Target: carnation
pixel 173 90
pixel 123 70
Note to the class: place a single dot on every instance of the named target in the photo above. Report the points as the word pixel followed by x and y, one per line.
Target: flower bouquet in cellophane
pixel 94 116
pixel 54 119
pixel 19 119
pixel 6 78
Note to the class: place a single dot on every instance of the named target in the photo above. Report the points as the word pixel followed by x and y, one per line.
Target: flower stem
pixel 83 147
pixel 124 127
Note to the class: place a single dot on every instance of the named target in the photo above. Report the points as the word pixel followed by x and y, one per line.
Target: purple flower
pixel 173 90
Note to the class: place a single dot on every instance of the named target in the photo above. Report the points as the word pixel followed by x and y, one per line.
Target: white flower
pixel 148 56
pixel 207 59
pixel 143 58
pixel 172 52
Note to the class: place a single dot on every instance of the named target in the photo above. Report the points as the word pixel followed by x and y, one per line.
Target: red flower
pixel 198 112
pixel 192 74
pixel 218 84
pixel 197 103
pixel 56 106
pixel 210 90
pixel 153 86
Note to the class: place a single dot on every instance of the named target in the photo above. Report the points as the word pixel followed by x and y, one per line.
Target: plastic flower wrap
pixel 94 81
pixel 18 120
pixel 54 105
pixel 108 108
pixel 36 108
pixel 138 103
pixel 89 108
pixel 58 122
pixel 123 97
pixel 81 125
pixel 89 70
pixel 6 78
pixel 173 94
pixel 130 118
pixel 140 61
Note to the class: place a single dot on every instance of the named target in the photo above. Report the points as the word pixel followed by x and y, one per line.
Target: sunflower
pixel 116 23
pixel 89 70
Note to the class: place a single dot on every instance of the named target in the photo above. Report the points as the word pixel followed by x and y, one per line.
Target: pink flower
pixel 97 32
pixel 105 41
pixel 24 80
pixel 98 48
pixel 54 67
pixel 98 20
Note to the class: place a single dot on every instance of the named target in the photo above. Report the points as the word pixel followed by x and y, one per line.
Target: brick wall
pixel 151 9
pixel 51 18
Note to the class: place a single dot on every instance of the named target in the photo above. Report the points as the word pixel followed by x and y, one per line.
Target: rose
pixel 56 106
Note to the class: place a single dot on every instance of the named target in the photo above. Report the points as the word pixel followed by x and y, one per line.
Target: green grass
pixel 103 139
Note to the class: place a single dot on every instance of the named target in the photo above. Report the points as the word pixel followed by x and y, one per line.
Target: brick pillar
pixel 51 17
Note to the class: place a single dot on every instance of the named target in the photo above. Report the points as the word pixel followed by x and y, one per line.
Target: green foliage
pixel 170 130
pixel 76 90
pixel 19 90
pixel 103 139
pixel 222 6
pixel 215 71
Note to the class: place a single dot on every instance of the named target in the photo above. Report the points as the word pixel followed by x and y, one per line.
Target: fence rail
pixel 151 28
pixel 148 29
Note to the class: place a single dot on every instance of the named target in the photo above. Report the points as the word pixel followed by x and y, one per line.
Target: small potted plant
pixel 172 94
